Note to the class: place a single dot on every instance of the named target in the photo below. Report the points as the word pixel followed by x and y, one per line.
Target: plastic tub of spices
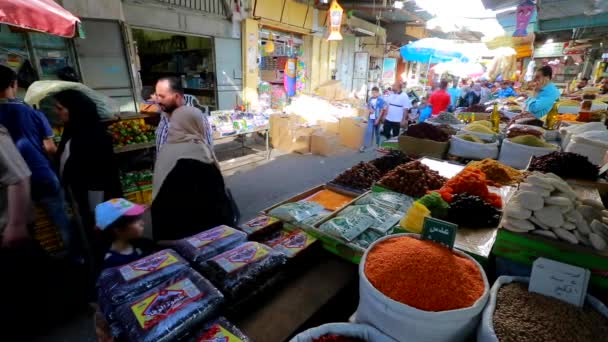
pixel 447 290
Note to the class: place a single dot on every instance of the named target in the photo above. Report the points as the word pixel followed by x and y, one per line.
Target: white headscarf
pixel 185 140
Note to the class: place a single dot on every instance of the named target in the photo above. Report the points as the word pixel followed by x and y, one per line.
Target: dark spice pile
pixel 472 212
pixel 522 316
pixel 525 118
pixel 522 130
pixel 390 161
pixel 337 338
pixel 427 131
pixel 361 176
pixel 413 179
pixel 565 165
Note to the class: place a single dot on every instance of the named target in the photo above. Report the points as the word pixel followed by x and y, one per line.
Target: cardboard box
pixel 330 127
pixel 352 132
pixel 284 131
pixel 324 144
pixel 295 140
pixel 423 147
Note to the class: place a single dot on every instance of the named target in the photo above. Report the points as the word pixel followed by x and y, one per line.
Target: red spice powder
pixel 423 274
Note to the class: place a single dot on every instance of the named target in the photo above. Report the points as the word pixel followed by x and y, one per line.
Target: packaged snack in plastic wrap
pixel 210 243
pixel 219 330
pixel 119 284
pixel 171 310
pixel 296 212
pixel 347 228
pixel 244 268
pixel 261 225
pixel 274 238
pixel 368 237
pixel 295 243
pixel 389 199
pixel 384 219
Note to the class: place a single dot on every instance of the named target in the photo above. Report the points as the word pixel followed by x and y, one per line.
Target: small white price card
pixel 558 280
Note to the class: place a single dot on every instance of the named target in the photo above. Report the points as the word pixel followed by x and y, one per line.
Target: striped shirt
pixel 162 131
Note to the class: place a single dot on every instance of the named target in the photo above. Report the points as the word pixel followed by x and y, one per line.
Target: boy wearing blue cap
pixel 121 222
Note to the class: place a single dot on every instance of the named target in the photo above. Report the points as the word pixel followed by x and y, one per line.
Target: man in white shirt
pixel 398 104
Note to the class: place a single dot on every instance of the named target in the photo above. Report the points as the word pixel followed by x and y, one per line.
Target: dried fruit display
pixel 427 131
pixel 565 165
pixel 390 161
pixel 361 176
pixel 413 179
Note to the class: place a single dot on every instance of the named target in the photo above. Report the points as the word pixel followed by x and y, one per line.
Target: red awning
pixel 39 15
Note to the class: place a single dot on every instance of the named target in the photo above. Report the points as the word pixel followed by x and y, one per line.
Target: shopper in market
pixel 440 99
pixel 545 93
pixel 454 95
pixel 472 97
pixel 375 107
pixel 506 90
pixel 87 165
pixel 170 96
pixel 189 193
pixel 398 105
pixel 33 136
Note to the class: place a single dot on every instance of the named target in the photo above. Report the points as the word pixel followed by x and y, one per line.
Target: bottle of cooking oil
pixel 551 118
pixel 495 118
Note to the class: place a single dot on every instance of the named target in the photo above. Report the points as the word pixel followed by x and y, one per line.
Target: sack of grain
pixel 472 150
pixel 518 155
pixel 590 148
pixel 486 332
pixel 567 132
pixel 362 331
pixel 404 322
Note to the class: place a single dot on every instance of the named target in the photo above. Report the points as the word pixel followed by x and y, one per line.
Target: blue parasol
pixel 432 50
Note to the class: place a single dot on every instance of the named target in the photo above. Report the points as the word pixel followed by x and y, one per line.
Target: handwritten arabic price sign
pixel 441 232
pixel 558 280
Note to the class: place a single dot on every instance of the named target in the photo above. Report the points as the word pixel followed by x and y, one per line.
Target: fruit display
pixel 424 130
pixel 473 182
pixel 546 205
pixel 361 176
pixel 128 132
pixel 472 212
pixel 390 161
pixel 560 163
pixel 136 180
pixel 412 179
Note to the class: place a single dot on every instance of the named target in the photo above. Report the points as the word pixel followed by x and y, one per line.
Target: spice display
pixel 518 130
pixel 296 212
pixel 565 165
pixel 472 138
pixel 567 117
pixel 361 176
pixel 337 338
pixel 546 205
pixel 218 330
pixel 497 173
pixel 449 130
pixel 436 204
pixel 171 310
pixel 473 182
pixel 423 274
pixel 330 200
pixel 482 126
pixel 241 270
pixel 261 225
pixel 390 161
pixel 445 118
pixel 424 130
pixel 388 199
pixel 522 117
pixel 472 212
pixel 531 140
pixel 210 243
pixel 523 316
pixel 413 179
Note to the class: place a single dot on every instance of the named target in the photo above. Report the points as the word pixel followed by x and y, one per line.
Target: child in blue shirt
pixel 375 106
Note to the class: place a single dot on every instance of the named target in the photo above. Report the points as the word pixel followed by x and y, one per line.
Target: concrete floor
pixel 255 186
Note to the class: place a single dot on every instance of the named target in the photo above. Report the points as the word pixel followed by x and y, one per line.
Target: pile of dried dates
pixel 413 179
pixel 390 161
pixel 565 165
pixel 361 176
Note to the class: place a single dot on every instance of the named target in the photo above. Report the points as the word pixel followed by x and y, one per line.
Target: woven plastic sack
pixel 171 310
pixel 472 150
pixel 243 269
pixel 218 330
pixel 361 331
pixel 485 331
pixel 119 284
pixel 209 243
pixel 518 155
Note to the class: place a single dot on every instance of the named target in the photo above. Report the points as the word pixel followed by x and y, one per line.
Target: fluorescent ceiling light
pixel 549 41
pixel 364 31
pixel 398 4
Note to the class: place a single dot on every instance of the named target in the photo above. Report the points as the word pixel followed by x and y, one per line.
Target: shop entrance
pixel 190 58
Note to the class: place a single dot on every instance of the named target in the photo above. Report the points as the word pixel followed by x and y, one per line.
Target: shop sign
pixel 441 232
pixel 389 69
pixel 549 50
pixel 559 280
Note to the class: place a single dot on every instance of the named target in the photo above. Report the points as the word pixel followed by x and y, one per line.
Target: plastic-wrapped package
pixel 219 330
pixel 347 228
pixel 297 211
pixel 368 237
pixel 261 225
pixel 171 310
pixel 384 219
pixel 119 284
pixel 210 243
pixel 244 268
pixel 295 243
pixel 274 238
pixel 389 199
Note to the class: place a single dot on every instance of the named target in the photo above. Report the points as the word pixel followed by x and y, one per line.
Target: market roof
pixel 371 10
pixel 40 16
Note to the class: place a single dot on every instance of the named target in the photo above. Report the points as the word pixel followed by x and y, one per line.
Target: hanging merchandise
pixel 525 10
pixel 269 47
pixel 289 76
pixel 335 21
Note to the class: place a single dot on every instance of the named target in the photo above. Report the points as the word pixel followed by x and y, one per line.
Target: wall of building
pixel 98 9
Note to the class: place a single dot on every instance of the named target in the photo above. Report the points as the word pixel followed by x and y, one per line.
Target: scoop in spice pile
pixel 565 165
pixel 361 176
pixel 523 316
pixel 471 181
pixel 423 274
pixel 414 179
pixel 497 173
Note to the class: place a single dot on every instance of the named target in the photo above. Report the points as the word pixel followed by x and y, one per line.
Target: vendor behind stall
pixel 545 93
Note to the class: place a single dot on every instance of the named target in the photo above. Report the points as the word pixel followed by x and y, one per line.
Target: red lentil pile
pixel 423 274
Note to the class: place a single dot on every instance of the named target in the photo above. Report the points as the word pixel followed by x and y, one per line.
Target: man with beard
pixel 170 96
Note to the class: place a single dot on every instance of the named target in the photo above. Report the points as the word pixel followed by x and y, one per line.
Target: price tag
pixel 441 232
pixel 558 280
